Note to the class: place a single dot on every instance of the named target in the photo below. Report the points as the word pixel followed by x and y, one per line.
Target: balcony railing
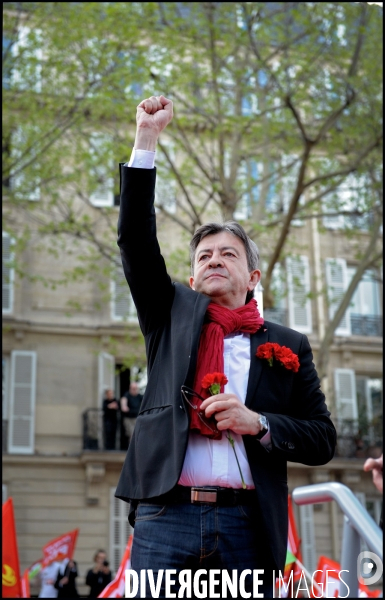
pixel 354 441
pixel 366 325
pixel 94 431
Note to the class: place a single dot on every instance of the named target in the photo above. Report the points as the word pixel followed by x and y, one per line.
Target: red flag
pixel 60 548
pixel 334 585
pixel 116 589
pixel 293 544
pixel 11 586
pixel 292 572
pixel 25 590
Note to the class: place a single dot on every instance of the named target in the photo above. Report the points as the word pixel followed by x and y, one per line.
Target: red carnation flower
pixel 285 357
pixel 213 382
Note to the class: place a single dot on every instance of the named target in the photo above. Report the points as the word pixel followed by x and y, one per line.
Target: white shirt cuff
pixel 265 441
pixel 141 159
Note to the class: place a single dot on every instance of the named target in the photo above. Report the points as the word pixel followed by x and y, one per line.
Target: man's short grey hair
pixel 252 252
pixel 251 248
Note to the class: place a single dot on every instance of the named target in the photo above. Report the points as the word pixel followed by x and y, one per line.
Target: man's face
pixel 100 557
pixel 221 272
pixel 134 389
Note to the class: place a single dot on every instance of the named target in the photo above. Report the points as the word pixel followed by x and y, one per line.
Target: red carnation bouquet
pixel 283 355
pixel 213 383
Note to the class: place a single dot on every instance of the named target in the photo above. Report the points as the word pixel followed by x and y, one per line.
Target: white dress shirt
pixel 207 461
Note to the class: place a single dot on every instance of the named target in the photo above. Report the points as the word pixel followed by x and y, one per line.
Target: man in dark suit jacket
pixel 188 501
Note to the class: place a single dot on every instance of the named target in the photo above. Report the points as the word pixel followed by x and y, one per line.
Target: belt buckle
pixel 203 496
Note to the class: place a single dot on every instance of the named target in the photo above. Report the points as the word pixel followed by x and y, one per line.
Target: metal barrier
pixel 357 524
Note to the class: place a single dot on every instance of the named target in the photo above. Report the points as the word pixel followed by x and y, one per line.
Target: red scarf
pixel 221 321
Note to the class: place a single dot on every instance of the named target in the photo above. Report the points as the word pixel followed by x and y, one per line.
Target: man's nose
pixel 216 260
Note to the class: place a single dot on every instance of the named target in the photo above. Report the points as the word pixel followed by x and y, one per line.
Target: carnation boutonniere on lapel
pixel 283 355
pixel 213 382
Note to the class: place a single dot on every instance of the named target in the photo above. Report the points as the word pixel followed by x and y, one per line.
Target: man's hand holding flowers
pixel 231 413
pixel 228 411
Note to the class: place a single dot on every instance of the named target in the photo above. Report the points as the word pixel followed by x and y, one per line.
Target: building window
pixel 100 170
pixel 358 413
pixel 349 197
pixel 165 191
pixel 5 402
pixel 120 529
pixel 22 398
pixel 278 313
pixel 122 305
pixel 365 308
pixel 291 289
pixel 8 274
pixel 25 176
pixel 7 69
pixel 337 283
pixel 369 407
pixel 363 316
pixel 27 60
pixel 298 282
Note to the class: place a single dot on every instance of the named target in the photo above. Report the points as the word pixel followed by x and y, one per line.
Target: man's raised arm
pixel 142 261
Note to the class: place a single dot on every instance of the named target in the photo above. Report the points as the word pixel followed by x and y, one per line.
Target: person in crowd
pixel 110 419
pixel 48 577
pixel 206 469
pixel 130 405
pixel 100 574
pixel 65 580
pixel 375 465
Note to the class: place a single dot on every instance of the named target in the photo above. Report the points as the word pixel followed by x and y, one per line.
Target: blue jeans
pixel 194 537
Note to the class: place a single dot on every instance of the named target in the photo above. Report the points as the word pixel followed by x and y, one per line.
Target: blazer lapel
pixel 256 339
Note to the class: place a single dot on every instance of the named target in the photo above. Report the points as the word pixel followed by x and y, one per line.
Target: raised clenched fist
pixel 154 114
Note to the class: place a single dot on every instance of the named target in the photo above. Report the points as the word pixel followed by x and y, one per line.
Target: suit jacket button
pixel 290 446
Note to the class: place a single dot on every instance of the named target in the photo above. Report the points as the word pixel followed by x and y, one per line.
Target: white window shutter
pixel 103 195
pixel 122 305
pixel 22 402
pixel 120 529
pixel 308 550
pixel 106 374
pixel 8 274
pixel 345 394
pixel 337 282
pixel 298 280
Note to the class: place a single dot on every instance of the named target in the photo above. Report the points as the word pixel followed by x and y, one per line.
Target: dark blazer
pixel 171 317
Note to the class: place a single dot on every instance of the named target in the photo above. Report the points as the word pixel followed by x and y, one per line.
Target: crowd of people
pixel 58 579
pixel 127 407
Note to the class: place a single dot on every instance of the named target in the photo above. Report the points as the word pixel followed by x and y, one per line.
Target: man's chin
pixel 213 291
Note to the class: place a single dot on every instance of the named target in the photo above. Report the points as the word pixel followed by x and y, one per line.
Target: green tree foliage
pixel 277 105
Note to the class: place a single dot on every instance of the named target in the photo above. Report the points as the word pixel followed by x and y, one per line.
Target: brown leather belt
pixel 215 496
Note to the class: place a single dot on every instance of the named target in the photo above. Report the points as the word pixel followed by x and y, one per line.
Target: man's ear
pixel 191 282
pixel 255 276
